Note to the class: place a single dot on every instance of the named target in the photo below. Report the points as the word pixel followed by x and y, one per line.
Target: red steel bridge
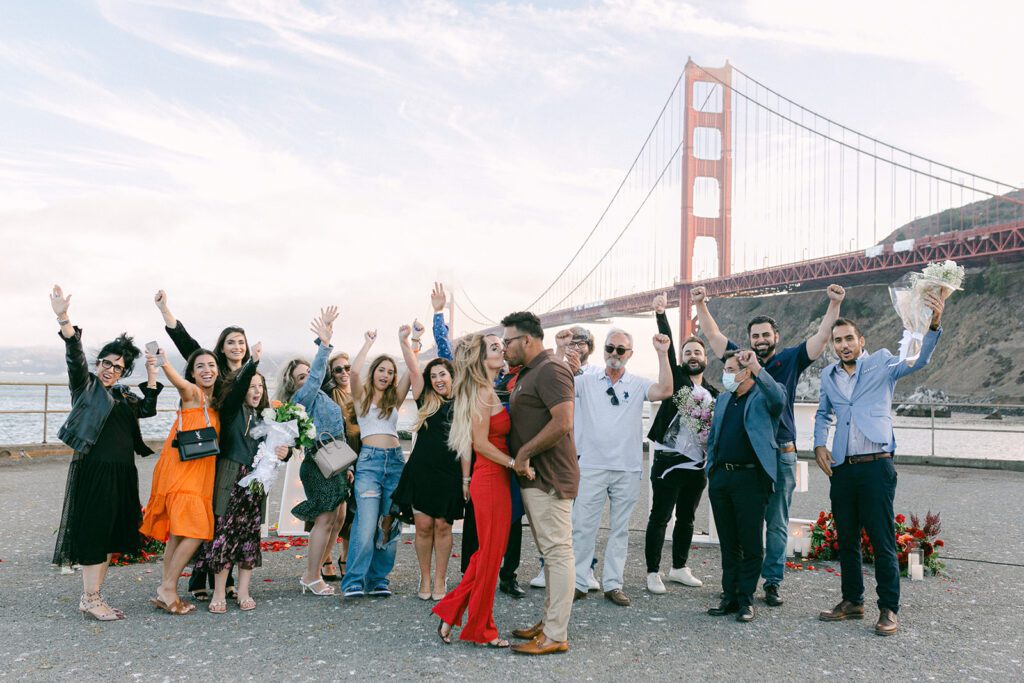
pixel 746 192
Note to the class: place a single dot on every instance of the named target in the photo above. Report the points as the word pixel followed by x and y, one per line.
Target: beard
pixel 690 369
pixel 615 363
pixel 764 352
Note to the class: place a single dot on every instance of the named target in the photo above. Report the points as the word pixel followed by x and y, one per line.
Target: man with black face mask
pixel 785 367
pixel 677 471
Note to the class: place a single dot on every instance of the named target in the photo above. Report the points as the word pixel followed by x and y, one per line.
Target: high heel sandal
pixel 437 596
pixel 91 601
pixel 326 590
pixel 446 638
pixel 328 577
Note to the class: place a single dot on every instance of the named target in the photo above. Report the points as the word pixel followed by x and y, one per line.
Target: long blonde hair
pixel 286 388
pixel 389 401
pixel 470 377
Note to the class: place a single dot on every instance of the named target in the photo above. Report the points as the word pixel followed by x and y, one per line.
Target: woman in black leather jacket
pixel 102 511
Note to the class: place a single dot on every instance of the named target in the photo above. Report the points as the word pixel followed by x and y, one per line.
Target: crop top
pixel 372 423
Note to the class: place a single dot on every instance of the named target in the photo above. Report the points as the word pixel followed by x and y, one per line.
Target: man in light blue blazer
pixel 856 396
pixel 741 464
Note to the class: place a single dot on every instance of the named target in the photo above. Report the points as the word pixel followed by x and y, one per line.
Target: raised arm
pixel 78 367
pixel 356 376
pixel 659 305
pixel 442 341
pixel 931 338
pixel 183 341
pixel 774 395
pixel 235 396
pixel 817 343
pixel 150 391
pixel 323 327
pixel 412 375
pixel 718 341
pixel 663 389
pixel 188 391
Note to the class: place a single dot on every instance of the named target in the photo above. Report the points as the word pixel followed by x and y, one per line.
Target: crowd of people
pixel 505 427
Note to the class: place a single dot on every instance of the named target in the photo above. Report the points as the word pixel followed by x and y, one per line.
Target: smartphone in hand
pixel 153 348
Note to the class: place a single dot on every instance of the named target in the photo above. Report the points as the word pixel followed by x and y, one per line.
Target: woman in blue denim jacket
pixel 300 383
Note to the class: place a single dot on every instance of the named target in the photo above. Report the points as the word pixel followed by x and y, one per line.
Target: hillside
pixel 980 214
pixel 980 356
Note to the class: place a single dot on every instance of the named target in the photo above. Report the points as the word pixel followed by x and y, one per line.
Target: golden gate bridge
pixel 743 190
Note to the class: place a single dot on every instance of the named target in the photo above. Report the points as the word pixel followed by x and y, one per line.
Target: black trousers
pixel 862 498
pixel 738 500
pixel 680 490
pixel 470 544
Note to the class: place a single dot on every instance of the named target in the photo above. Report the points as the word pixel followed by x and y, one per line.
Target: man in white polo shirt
pixel 609 442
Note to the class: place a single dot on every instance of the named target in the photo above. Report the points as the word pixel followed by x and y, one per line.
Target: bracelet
pixel 465 480
pixel 511 463
pixel 65 321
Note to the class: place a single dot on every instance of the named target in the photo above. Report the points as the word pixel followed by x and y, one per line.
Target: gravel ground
pixel 964 626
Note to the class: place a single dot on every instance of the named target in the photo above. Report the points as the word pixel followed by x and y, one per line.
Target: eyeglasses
pixel 508 342
pixel 579 342
pixel 107 365
pixel 614 398
pixel 338 369
pixel 621 350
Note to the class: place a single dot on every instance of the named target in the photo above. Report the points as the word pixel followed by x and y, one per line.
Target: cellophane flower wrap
pixel 907 296
pixel 283 424
pixel 690 426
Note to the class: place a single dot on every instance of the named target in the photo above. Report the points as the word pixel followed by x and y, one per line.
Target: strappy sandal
pixel 496 644
pixel 92 601
pixel 177 607
pixel 246 605
pixel 200 594
pixel 446 638
pixel 326 590
pixel 232 592
pixel 328 577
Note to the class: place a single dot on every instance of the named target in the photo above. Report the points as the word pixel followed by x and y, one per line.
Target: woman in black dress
pixel 432 482
pixel 231 352
pixel 102 510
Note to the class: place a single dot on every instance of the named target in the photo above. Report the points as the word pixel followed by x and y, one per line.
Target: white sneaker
pixel 685 577
pixel 654 584
pixel 538 581
pixel 592 583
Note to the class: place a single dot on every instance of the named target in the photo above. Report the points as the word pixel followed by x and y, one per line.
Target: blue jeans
pixel 369 562
pixel 776 519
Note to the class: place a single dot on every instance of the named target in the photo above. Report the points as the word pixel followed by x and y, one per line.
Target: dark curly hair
pixel 123 347
pixel 525 322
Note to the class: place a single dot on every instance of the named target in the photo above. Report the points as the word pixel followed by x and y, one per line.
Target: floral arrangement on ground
pixel 825 541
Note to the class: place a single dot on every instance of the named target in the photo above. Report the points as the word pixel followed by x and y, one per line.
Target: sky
pixel 260 159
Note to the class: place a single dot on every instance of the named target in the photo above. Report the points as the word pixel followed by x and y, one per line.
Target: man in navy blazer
pixel 856 396
pixel 741 464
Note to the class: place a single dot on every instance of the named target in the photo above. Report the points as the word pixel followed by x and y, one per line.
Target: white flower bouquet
pixel 691 425
pixel 907 296
pixel 283 424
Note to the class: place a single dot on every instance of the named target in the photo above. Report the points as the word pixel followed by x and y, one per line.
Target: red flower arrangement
pixel 148 549
pixel 825 541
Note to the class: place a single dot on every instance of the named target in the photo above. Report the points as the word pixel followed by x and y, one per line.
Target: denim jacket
pixel 325 413
pixel 91 402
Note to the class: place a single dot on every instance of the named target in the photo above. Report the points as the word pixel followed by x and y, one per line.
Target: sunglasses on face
pixel 107 365
pixel 338 369
pixel 620 350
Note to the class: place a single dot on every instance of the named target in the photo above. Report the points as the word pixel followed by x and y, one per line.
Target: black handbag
pixel 193 444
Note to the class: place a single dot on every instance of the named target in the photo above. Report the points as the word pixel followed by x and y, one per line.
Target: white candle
pixel 805 545
pixel 917 572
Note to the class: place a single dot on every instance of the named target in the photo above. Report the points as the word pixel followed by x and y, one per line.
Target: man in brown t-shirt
pixel 541 407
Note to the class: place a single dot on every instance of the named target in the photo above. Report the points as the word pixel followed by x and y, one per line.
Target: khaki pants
pixel 551 522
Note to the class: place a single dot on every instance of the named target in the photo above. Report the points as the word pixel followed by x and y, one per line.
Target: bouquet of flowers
pixel 907 298
pixel 825 541
pixel 691 424
pixel 283 424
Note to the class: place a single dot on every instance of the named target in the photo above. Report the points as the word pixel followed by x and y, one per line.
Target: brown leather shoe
pixel 844 610
pixel 539 647
pixel 618 597
pixel 887 624
pixel 578 595
pixel 531 632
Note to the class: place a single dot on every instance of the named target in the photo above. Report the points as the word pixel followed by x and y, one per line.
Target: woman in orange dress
pixel 180 507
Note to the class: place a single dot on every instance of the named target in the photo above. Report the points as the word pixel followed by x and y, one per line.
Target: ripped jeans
pixel 369 560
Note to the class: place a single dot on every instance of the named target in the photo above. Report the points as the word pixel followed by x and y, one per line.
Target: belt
pixel 870 457
pixel 731 466
pixel 787 447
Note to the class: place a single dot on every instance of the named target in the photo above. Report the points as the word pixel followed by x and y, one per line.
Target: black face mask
pixel 690 370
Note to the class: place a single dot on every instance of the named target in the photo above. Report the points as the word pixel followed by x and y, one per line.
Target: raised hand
pixel 370 336
pixel 281 452
pixel 329 315
pixel 157 360
pixel 59 302
pixel 160 299
pixel 438 298
pixel 660 303
pixel 563 338
pixel 572 359
pixel 698 294
pixel 322 330
pixel 937 304
pixel 747 359
pixel 256 351
pixel 417 329
pixel 835 293
pixel 661 343
pixel 403 333
pixel 151 368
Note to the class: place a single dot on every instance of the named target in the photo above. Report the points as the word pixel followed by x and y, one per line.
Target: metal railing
pixel 46 410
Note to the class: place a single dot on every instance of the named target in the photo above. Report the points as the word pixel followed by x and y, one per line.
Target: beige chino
pixel 551 523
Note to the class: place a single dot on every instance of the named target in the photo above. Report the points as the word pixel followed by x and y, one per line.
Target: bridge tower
pixel 707 115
